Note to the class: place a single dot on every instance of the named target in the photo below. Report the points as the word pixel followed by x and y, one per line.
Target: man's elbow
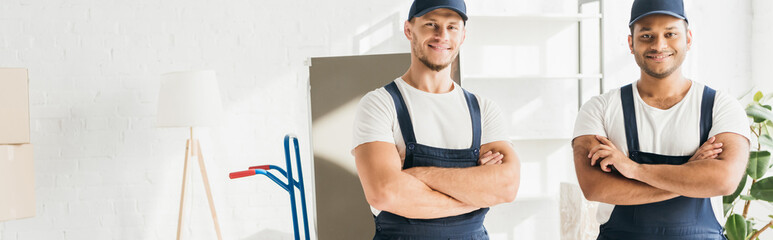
pixel 726 191
pixel 727 187
pixel 589 193
pixel 509 188
pixel 381 199
pixel 509 194
pixel 512 187
pixel 590 196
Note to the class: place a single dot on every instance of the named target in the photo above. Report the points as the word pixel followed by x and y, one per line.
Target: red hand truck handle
pixel 241 174
pixel 264 167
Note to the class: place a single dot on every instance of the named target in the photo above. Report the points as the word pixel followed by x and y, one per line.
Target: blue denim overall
pixel 681 218
pixel 465 226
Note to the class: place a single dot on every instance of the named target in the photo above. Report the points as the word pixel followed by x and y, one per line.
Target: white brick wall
pixel 104 171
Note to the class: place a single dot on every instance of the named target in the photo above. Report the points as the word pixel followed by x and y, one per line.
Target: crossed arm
pixel 713 171
pixel 702 178
pixel 614 189
pixel 387 187
pixel 481 186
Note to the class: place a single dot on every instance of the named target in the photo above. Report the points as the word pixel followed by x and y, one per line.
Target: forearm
pixel 704 177
pixel 411 198
pixel 388 188
pixel 698 179
pixel 612 188
pixel 480 186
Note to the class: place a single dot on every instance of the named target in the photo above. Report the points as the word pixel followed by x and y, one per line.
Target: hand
pixel 490 158
pixel 610 156
pixel 709 150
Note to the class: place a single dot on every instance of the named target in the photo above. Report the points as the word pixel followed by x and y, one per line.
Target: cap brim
pixel 670 13
pixel 425 11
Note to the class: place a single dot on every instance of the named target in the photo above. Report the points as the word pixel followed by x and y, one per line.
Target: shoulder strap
pixel 474 107
pixel 707 112
pixel 403 117
pixel 629 115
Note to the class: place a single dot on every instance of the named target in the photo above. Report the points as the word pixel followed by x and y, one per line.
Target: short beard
pixel 657 75
pixel 433 67
pixel 640 60
pixel 430 65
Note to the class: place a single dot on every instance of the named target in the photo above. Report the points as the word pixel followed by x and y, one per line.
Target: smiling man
pixel 431 156
pixel 659 153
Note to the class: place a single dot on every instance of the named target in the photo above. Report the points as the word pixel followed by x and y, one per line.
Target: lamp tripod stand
pixel 193 149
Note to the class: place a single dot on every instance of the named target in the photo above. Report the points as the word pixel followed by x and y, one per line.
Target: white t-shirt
pixel 673 132
pixel 439 120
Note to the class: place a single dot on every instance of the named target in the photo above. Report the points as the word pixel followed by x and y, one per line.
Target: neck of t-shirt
pixel 663 88
pixel 429 81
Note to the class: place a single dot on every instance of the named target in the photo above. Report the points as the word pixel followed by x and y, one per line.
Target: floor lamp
pixel 190 99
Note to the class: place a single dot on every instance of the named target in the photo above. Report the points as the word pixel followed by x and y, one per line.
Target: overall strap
pixel 629 114
pixel 474 107
pixel 707 111
pixel 403 117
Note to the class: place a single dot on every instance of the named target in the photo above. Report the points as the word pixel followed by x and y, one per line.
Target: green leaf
pixel 747 198
pixel 750 233
pixel 757 96
pixel 763 189
pixel 759 113
pixel 766 140
pixel 727 207
pixel 749 229
pixel 758 164
pixel 767 129
pixel 729 199
pixel 736 227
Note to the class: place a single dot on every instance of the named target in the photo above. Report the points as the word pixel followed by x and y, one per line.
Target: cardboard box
pixel 17 182
pixel 14 106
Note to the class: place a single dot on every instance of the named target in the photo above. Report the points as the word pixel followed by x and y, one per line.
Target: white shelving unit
pixel 539 68
pixel 513 39
pixel 533 64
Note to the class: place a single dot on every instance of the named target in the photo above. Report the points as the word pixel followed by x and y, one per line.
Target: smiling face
pixel 659 44
pixel 435 37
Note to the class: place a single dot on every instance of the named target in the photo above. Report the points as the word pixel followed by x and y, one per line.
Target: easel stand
pixel 193 149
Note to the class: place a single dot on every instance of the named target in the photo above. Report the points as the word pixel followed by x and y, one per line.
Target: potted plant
pixel 741 226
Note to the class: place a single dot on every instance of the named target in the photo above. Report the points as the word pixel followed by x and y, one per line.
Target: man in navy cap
pixel 431 156
pixel 660 152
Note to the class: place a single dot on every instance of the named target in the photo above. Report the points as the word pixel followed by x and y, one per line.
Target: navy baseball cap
pixel 643 8
pixel 421 7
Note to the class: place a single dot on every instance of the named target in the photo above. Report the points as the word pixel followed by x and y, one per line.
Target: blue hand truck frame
pixel 291 184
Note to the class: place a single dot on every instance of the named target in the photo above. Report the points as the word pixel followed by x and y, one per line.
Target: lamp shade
pixel 188 99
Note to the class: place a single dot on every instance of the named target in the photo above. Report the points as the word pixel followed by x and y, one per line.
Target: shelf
pixel 557 139
pixel 531 77
pixel 536 17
